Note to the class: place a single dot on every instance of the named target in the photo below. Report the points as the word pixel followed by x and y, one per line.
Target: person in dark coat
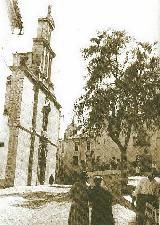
pixel 79 211
pixel 51 179
pixel 101 200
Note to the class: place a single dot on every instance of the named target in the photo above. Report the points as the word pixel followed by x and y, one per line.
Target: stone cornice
pixel 38 135
pixel 28 72
pixel 42 86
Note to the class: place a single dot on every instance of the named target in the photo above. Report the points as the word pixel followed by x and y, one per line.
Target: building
pixel 29 135
pixel 144 148
pixel 78 152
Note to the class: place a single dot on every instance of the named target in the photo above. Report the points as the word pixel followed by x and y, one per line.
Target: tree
pixel 121 93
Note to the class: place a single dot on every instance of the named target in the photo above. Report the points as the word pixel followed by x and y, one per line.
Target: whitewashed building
pixel 30 121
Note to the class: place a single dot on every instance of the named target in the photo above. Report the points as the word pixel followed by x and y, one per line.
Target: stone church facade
pixel 31 120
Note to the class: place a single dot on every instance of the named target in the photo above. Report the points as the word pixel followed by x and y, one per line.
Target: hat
pixel 98 178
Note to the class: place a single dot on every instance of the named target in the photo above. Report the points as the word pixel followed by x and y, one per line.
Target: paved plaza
pixel 44 205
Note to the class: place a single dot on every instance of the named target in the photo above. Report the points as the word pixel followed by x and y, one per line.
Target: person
pixel 146 191
pixel 51 179
pixel 79 211
pixel 101 201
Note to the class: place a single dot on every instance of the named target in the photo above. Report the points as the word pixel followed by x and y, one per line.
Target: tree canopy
pixel 122 86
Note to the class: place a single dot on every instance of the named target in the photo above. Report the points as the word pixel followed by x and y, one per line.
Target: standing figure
pixel 101 200
pixel 79 211
pixel 146 191
pixel 51 179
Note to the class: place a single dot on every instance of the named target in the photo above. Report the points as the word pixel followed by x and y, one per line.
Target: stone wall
pixel 105 148
pixel 12 111
pixel 22 157
pixel 4 136
pixel 152 149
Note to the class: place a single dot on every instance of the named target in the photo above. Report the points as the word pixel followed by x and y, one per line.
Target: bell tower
pixel 42 52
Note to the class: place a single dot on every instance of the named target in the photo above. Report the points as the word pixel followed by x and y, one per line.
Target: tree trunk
pixel 123 150
pixel 124 171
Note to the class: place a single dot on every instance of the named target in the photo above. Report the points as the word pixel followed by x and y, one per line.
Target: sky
pixel 76 21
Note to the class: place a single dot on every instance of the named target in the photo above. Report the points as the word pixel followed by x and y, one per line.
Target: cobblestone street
pixel 44 206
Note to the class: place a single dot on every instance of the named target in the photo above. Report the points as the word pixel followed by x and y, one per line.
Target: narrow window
pixel 134 141
pixel 88 146
pixel 76 146
pixel 75 160
pixel 62 148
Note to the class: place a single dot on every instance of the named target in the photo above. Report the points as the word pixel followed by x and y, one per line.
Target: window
pixel 76 146
pixel 62 148
pixel 134 141
pixel 88 146
pixel 75 160
pixel 1 144
pixel 141 141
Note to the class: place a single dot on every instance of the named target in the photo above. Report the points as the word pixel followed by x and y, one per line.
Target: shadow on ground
pixel 40 199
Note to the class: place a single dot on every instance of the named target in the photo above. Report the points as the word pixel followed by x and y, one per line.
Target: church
pixel 31 116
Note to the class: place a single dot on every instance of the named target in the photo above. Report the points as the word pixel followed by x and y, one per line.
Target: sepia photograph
pixel 80 112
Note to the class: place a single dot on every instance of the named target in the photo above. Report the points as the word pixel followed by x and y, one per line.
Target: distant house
pixel 78 152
